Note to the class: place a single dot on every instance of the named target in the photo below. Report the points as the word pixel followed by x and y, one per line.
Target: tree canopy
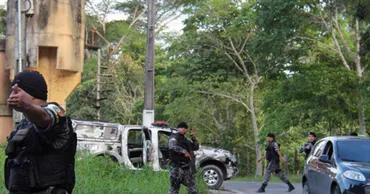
pixel 238 70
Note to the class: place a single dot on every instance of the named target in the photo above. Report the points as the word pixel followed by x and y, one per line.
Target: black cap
pixel 312 133
pixel 271 135
pixel 33 83
pixel 182 125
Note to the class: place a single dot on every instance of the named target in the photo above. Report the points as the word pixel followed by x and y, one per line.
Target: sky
pixel 173 26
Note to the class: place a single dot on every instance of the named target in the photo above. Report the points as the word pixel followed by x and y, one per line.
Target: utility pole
pixel 17 116
pixel 19 22
pixel 18 64
pixel 98 87
pixel 148 113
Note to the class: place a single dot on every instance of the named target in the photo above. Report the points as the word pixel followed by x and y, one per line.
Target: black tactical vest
pixel 271 154
pixel 307 152
pixel 184 143
pixel 32 165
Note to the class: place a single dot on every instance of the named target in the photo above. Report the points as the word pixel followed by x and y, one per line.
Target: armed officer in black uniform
pixel 273 154
pixel 40 152
pixel 182 160
pixel 307 147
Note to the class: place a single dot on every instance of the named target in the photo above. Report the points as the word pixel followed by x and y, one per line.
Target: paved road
pixel 241 187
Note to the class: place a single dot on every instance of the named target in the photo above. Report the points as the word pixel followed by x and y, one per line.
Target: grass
pixel 274 179
pixel 99 175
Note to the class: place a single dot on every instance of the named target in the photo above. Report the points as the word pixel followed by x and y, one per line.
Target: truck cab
pixel 135 146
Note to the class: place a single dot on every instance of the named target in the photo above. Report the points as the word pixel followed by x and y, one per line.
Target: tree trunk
pixel 255 130
pixel 359 70
pixel 361 114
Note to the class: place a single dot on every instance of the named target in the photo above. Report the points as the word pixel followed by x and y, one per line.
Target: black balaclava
pixel 33 83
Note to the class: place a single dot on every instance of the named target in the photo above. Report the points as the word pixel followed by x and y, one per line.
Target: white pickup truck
pixel 135 146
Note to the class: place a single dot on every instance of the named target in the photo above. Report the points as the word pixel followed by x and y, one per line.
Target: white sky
pixel 173 26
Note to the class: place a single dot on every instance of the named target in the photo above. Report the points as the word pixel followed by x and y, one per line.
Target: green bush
pixel 100 175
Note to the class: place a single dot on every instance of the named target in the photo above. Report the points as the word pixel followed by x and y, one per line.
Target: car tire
pixel 109 158
pixel 212 176
pixel 336 190
pixel 306 188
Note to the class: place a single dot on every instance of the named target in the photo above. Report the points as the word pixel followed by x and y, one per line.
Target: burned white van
pixel 136 146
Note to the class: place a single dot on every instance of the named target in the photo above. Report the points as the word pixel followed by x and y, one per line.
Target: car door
pixel 138 145
pixel 164 152
pixel 313 168
pixel 147 145
pixel 327 169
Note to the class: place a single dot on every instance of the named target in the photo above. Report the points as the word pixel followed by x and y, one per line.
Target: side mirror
pixel 324 158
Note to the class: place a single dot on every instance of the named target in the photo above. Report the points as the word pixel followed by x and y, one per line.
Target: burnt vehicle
pixel 135 146
pixel 338 165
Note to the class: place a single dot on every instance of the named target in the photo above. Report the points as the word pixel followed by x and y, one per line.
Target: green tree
pixel 309 99
pixel 229 27
pixel 337 28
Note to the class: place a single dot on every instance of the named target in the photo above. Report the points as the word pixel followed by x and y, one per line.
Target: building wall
pixel 54 42
pixel 61 83
pixel 58 24
pixel 6 122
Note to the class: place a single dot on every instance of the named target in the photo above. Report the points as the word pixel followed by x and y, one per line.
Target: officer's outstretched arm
pixel 54 114
pixel 172 145
pixel 37 115
pixel 57 137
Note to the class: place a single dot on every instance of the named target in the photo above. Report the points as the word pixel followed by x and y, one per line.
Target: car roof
pixel 100 123
pixel 93 122
pixel 345 138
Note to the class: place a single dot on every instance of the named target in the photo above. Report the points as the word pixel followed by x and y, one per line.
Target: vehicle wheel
pixel 109 158
pixel 212 176
pixel 306 188
pixel 336 190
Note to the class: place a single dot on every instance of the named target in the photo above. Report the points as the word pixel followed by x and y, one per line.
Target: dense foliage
pixel 237 70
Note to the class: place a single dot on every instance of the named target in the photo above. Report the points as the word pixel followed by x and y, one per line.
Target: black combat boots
pixel 291 187
pixel 262 189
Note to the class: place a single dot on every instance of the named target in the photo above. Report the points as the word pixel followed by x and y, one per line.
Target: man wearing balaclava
pixel 40 151
pixel 182 160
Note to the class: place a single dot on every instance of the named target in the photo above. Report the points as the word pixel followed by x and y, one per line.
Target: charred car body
pixel 135 146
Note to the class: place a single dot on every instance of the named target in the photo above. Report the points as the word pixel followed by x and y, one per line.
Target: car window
pixel 96 132
pixel 318 148
pixel 110 133
pixel 135 137
pixel 163 138
pixel 89 131
pixel 354 150
pixel 328 150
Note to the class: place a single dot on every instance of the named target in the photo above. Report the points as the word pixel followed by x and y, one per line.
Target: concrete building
pixel 53 44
